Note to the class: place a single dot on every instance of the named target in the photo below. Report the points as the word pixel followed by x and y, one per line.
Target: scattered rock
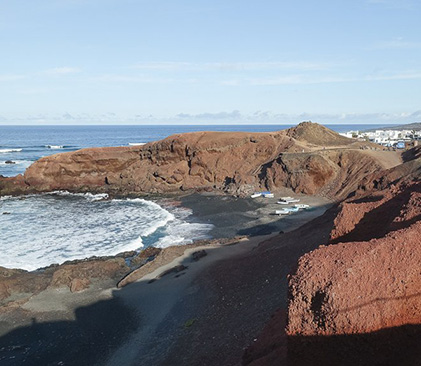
pixel 144 256
pixel 175 269
pixel 79 284
pixel 198 255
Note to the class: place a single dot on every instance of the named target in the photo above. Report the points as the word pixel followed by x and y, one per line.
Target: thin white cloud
pixel 300 79
pixel 11 77
pixel 397 43
pixel 63 70
pixel 231 66
pixel 212 116
pixel 33 90
pixel 114 78
pixel 141 79
pixel 233 117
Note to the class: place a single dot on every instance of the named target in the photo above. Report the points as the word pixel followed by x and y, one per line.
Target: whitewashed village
pixel 399 137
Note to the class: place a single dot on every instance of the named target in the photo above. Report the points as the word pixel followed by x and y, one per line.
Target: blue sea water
pixel 39 230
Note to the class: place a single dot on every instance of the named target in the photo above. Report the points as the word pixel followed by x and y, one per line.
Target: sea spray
pixel 40 230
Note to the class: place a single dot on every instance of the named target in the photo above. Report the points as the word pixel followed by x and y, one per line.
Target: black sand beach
pixel 233 216
pixel 134 325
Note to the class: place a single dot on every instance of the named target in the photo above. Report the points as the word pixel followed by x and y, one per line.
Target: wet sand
pixel 234 216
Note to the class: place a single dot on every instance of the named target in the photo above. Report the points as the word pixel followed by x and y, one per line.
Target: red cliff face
pixel 364 291
pixel 237 163
pixel 356 300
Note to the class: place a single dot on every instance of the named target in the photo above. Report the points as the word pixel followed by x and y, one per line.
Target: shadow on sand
pixel 87 340
pixel 391 346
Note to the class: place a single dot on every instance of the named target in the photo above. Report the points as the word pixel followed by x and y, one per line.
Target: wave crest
pixel 5 151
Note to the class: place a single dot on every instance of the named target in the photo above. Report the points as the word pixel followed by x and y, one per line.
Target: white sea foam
pixel 5 151
pixel 89 196
pixel 136 143
pixel 181 231
pixel 54 146
pixel 59 226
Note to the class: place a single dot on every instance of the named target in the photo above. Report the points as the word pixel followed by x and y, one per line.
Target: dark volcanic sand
pixel 88 334
pixel 246 216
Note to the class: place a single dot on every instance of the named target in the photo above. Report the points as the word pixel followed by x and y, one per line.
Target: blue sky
pixel 196 61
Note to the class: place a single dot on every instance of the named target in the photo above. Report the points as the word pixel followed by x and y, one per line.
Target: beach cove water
pixel 39 230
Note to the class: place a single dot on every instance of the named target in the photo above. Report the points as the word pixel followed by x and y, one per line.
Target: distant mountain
pixel 410 126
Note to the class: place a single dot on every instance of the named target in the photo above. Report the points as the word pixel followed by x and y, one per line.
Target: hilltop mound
pixel 315 134
pixel 233 162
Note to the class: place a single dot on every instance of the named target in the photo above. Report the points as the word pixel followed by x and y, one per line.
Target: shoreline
pixel 64 306
pixel 230 216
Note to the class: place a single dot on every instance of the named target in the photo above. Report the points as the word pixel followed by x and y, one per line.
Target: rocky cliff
pixel 356 299
pixel 308 158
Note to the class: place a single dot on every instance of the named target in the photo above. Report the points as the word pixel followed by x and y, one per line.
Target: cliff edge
pixel 355 300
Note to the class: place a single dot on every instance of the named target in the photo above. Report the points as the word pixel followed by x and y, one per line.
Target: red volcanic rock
pixel 362 293
pixel 234 162
pixel 358 287
pixel 375 215
pixel 357 302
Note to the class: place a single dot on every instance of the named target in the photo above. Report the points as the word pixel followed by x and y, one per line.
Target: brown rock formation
pixel 78 276
pixel 312 133
pixel 235 162
pixel 365 290
pixel 20 285
pixel 357 301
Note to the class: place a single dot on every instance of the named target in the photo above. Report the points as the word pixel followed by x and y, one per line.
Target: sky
pixel 210 62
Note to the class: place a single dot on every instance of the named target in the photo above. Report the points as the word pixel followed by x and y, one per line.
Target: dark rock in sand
pixel 175 269
pixel 144 256
pixel 198 255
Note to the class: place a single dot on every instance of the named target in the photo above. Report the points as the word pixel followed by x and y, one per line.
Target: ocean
pixel 39 230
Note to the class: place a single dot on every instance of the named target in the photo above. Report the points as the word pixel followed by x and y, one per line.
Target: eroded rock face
pixel 358 287
pixel 234 162
pixel 356 300
pixel 363 293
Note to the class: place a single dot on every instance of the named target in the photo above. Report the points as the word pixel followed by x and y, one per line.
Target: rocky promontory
pixel 308 158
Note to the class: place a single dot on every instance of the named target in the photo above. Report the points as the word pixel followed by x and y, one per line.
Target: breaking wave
pixel 5 151
pixel 39 230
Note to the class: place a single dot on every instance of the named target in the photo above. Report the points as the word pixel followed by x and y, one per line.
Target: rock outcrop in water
pixel 308 158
